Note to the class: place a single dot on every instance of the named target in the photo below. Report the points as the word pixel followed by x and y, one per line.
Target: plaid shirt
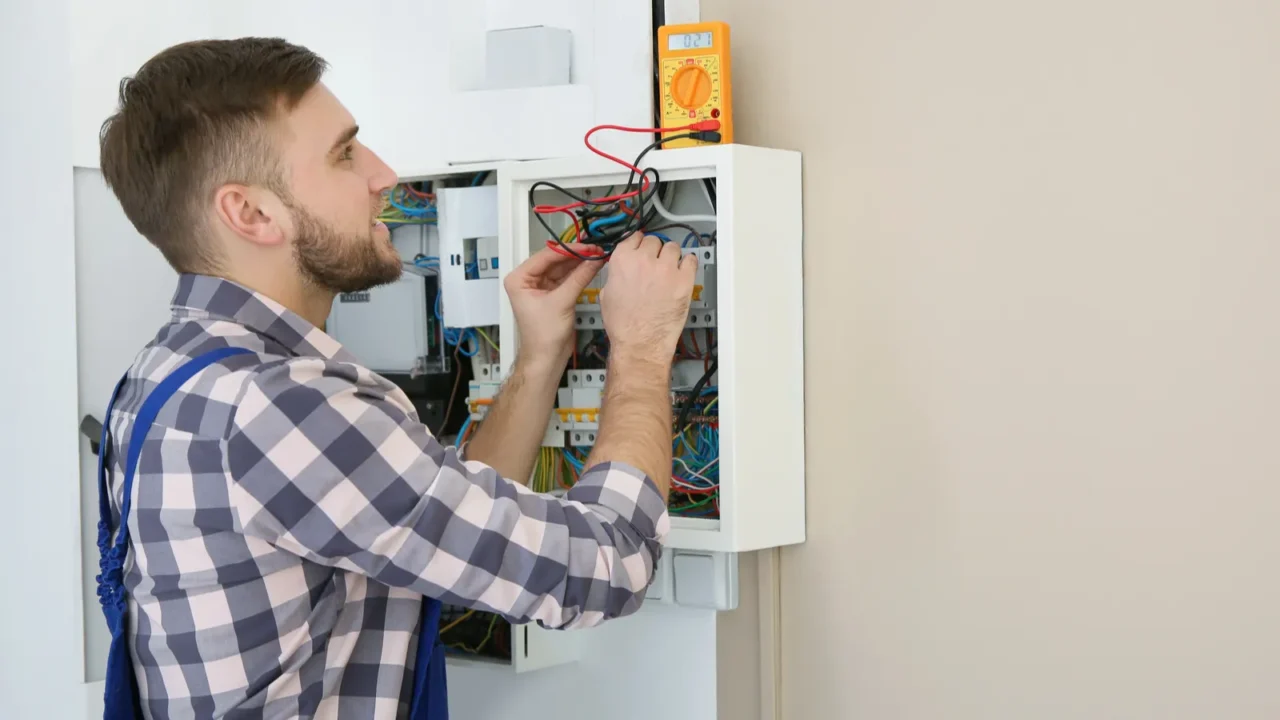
pixel 290 513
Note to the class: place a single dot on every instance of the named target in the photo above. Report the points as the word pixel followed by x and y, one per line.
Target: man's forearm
pixel 635 418
pixel 511 435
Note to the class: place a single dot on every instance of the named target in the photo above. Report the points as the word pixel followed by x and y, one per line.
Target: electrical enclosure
pixel 758 322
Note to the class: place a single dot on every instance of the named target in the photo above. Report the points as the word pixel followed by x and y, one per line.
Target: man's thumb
pixel 582 275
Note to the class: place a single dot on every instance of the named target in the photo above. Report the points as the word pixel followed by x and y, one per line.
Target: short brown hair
pixel 193 118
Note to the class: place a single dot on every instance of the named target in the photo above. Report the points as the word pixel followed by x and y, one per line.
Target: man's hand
pixel 543 291
pixel 646 299
pixel 644 304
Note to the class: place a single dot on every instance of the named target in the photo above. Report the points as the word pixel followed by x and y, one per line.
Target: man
pixel 290 514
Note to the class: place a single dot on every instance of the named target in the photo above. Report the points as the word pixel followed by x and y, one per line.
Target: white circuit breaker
pixel 468 226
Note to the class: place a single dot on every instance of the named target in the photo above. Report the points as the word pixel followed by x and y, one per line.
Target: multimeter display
pixel 693 66
pixel 689 41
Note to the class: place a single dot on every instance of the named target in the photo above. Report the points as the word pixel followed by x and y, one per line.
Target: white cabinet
pixel 752 313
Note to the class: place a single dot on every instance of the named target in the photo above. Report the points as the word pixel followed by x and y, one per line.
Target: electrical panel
pixel 468 227
pixel 358 320
pixel 738 378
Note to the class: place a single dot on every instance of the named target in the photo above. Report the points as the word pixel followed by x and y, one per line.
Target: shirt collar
pixel 217 297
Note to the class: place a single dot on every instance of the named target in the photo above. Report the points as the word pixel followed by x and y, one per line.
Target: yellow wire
pixel 570 233
pixel 449 627
pixel 690 425
pixel 488 339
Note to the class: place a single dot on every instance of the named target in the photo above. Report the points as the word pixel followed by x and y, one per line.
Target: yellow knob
pixel 691 87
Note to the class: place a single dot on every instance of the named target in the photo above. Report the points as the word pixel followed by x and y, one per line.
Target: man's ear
pixel 251 213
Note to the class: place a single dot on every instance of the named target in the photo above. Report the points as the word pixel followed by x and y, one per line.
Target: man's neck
pixel 310 303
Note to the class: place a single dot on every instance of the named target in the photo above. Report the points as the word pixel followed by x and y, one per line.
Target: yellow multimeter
pixel 694 62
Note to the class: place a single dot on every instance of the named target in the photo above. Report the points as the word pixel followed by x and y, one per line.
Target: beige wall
pixel 1042 241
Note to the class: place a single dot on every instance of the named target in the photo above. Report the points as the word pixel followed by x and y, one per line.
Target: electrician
pixel 278 528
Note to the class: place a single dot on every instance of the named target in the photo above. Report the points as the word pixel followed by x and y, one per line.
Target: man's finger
pixel 631 242
pixel 580 277
pixel 541 262
pixel 689 265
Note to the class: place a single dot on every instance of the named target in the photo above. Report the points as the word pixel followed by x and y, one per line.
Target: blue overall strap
pixel 121 701
pixel 430 697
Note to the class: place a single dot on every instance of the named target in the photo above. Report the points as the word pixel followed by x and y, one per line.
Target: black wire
pixel 687 408
pixel 710 185
pixel 610 238
pixel 635 221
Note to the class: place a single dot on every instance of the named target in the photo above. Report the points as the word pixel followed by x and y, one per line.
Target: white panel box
pixel 527 57
pixel 385 326
pixel 610 81
pixel 468 225
pixel 696 579
pixel 758 324
pixel 533 647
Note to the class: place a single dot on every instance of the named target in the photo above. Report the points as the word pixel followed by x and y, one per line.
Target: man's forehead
pixel 319 119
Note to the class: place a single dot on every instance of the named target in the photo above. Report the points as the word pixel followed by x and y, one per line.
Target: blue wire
pixel 603 222
pixel 453 336
pixel 412 211
pixel 574 461
pixel 462 430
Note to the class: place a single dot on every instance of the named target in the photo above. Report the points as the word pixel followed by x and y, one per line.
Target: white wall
pixel 114 320
pixel 109 40
pixel 39 608
pixel 1041 268
pixel 385 61
pixel 393 65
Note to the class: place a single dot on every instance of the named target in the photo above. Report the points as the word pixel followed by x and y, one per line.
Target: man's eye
pixel 348 152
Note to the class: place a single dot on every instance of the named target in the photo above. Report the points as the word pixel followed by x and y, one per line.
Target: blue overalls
pixel 430 701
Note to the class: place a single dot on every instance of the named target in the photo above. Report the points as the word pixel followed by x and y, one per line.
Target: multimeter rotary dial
pixel 691 87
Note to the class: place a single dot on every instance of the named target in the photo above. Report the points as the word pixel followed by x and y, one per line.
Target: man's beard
pixel 341 263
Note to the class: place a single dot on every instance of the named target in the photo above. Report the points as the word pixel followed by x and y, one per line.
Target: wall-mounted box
pixel 759 323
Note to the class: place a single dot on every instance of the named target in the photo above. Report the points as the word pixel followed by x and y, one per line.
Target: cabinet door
pixel 534 647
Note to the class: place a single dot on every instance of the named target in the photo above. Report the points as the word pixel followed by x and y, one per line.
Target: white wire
pixel 664 212
pixel 696 474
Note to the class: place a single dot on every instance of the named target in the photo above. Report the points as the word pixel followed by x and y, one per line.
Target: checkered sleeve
pixel 326 464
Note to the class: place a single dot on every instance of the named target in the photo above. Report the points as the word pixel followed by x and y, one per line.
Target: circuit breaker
pixel 468 223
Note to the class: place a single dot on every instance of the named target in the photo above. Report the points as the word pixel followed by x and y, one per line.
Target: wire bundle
pixel 602 223
pixel 695 467
pixel 556 468
pixel 456 337
pixel 414 203
pixel 475 627
pixel 407 205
